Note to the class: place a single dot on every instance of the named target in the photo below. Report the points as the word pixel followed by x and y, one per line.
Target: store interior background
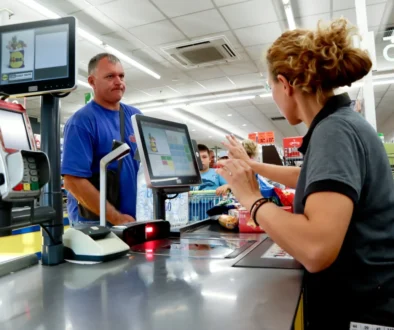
pixel 141 29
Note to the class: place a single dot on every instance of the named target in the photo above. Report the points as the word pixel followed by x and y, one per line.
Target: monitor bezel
pixel 49 85
pixel 163 181
pixel 18 108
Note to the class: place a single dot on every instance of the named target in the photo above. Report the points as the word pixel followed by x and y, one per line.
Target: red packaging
pixel 247 225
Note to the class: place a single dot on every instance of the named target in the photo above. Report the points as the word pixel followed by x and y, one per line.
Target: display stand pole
pixel 159 200
pixel 52 247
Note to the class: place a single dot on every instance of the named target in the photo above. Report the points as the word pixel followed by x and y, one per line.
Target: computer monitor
pixel 167 153
pixel 38 57
pixel 15 127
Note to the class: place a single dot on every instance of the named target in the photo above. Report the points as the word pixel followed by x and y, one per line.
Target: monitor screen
pixel 13 129
pixel 38 57
pixel 167 152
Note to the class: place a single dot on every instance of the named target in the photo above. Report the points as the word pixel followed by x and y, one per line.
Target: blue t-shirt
pixel 88 137
pixel 211 180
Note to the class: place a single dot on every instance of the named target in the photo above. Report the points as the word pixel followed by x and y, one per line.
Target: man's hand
pixel 122 219
pixel 222 190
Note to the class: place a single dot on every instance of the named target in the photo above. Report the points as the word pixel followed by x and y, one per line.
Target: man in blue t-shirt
pixel 210 179
pixel 88 137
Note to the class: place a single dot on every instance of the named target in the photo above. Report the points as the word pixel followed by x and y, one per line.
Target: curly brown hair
pixel 318 61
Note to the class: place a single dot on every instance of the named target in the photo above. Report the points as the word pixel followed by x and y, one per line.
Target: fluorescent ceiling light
pixel 164 108
pixel 289 14
pixel 265 95
pixel 40 8
pixel 383 82
pixel 232 99
pixel 131 61
pixel 84 84
pixel 88 36
pixel 198 123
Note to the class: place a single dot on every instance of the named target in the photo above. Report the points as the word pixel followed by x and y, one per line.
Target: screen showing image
pixel 13 130
pixel 168 150
pixel 34 54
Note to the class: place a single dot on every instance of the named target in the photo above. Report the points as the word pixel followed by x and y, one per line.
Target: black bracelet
pixel 256 205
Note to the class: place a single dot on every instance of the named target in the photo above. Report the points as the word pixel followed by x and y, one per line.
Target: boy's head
pixel 204 155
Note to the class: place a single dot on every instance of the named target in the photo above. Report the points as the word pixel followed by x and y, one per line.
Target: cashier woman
pixel 343 227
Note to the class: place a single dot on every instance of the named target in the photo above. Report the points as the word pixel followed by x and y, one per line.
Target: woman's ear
pixel 287 88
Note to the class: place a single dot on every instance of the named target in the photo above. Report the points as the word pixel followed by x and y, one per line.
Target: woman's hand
pixel 241 179
pixel 235 149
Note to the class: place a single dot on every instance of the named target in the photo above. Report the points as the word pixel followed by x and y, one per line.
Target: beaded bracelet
pixel 256 205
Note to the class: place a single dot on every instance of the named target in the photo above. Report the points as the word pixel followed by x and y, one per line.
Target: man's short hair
pixel 203 147
pixel 95 59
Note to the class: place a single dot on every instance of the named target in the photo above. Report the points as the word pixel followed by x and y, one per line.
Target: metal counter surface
pixel 148 292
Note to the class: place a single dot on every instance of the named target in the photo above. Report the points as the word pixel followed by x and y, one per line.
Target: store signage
pixel 262 137
pixel 290 147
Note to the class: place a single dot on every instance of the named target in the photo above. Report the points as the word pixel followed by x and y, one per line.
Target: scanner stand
pixel 97 243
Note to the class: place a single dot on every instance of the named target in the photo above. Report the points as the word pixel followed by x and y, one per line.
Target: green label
pixel 88 97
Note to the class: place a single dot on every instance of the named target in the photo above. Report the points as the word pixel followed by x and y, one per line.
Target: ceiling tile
pixel 162 93
pixel 99 2
pixel 220 3
pixel 350 14
pixel 249 13
pixel 202 23
pixel 24 15
pixel 261 34
pixel 191 88
pixel 124 40
pixel 174 8
pixel 131 13
pixel 372 2
pixel 375 14
pixel 95 21
pixel 86 50
pixel 217 84
pixel 310 7
pixel 310 22
pixel 206 73
pixel 238 68
pixel 148 56
pixel 258 52
pixel 248 80
pixel 158 33
pixel 342 4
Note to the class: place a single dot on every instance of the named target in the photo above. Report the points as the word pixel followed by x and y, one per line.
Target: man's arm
pixel 86 194
pixel 76 168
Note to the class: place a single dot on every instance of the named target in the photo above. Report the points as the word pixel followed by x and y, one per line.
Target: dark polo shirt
pixel 343 154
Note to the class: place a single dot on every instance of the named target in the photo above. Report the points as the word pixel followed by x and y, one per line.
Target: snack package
pixel 286 196
pixel 246 223
pixel 228 221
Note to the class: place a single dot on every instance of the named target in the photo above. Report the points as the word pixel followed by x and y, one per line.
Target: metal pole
pixel 368 44
pixel 52 248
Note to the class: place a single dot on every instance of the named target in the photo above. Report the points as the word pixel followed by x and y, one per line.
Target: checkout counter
pixel 200 277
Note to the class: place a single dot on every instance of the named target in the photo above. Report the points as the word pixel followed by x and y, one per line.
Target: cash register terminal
pixel 23 169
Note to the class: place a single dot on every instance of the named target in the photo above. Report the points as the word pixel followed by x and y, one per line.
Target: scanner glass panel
pixel 13 128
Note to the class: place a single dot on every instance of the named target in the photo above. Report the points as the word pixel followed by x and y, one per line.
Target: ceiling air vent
pixel 388 33
pixel 278 118
pixel 200 53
